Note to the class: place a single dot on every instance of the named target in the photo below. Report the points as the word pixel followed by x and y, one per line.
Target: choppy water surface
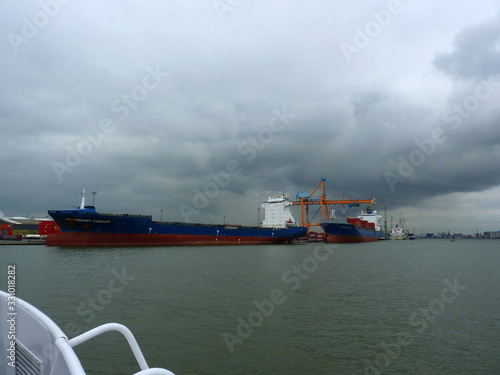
pixel 391 307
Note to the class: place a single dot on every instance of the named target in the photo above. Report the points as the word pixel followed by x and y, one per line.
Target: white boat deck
pixel 33 344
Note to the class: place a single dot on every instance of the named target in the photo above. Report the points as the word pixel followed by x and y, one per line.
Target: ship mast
pixel 82 194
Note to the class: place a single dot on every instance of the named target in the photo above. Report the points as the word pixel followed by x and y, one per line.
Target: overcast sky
pixel 203 109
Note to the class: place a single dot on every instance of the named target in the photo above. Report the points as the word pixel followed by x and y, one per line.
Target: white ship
pixel 399 232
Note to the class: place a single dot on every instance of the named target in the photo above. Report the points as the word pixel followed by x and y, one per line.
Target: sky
pixel 199 111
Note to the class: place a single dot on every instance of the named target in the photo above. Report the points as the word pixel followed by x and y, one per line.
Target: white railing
pixel 32 326
pixel 145 370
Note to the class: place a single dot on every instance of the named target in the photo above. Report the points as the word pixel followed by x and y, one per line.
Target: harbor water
pixel 428 306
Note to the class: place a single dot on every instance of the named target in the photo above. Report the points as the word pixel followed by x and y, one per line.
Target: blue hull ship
pixel 365 228
pixel 87 227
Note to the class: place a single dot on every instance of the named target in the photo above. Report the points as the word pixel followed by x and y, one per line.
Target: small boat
pixel 452 240
pixel 34 344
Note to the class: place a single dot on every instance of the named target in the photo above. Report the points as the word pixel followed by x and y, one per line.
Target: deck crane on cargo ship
pixel 307 200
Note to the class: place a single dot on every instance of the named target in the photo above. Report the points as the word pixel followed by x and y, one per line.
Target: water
pixel 390 307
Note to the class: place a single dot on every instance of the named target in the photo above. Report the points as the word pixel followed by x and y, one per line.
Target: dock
pixel 23 242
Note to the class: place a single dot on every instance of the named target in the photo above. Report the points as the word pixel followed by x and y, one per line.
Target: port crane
pixel 402 222
pixel 308 204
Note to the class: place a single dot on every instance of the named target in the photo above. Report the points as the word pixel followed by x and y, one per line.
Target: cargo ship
pixel 364 228
pixel 399 232
pixel 87 227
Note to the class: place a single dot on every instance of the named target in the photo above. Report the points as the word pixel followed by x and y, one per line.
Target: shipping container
pixel 46 227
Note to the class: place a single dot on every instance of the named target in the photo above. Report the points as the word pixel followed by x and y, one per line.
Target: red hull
pixel 350 239
pixel 114 239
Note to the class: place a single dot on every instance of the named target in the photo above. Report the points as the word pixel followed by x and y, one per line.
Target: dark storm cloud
pixel 220 104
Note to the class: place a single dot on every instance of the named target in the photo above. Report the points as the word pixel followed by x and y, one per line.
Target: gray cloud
pixel 220 85
pixel 475 52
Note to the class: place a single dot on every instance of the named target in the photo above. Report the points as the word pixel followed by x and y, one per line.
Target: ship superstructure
pixel 278 213
pixel 371 216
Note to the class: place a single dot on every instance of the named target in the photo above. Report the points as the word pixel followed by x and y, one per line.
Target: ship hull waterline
pixel 136 239
pixel 349 238
pixel 348 233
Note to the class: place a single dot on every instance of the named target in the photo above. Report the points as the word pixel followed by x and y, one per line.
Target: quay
pixel 23 242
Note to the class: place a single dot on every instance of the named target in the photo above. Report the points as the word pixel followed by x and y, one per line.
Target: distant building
pixel 20 223
pixel 23 223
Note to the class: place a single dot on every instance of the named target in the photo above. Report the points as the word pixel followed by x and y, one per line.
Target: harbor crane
pixel 308 204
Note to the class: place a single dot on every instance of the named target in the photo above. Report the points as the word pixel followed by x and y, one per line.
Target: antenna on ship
pixel 385 220
pixel 82 194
